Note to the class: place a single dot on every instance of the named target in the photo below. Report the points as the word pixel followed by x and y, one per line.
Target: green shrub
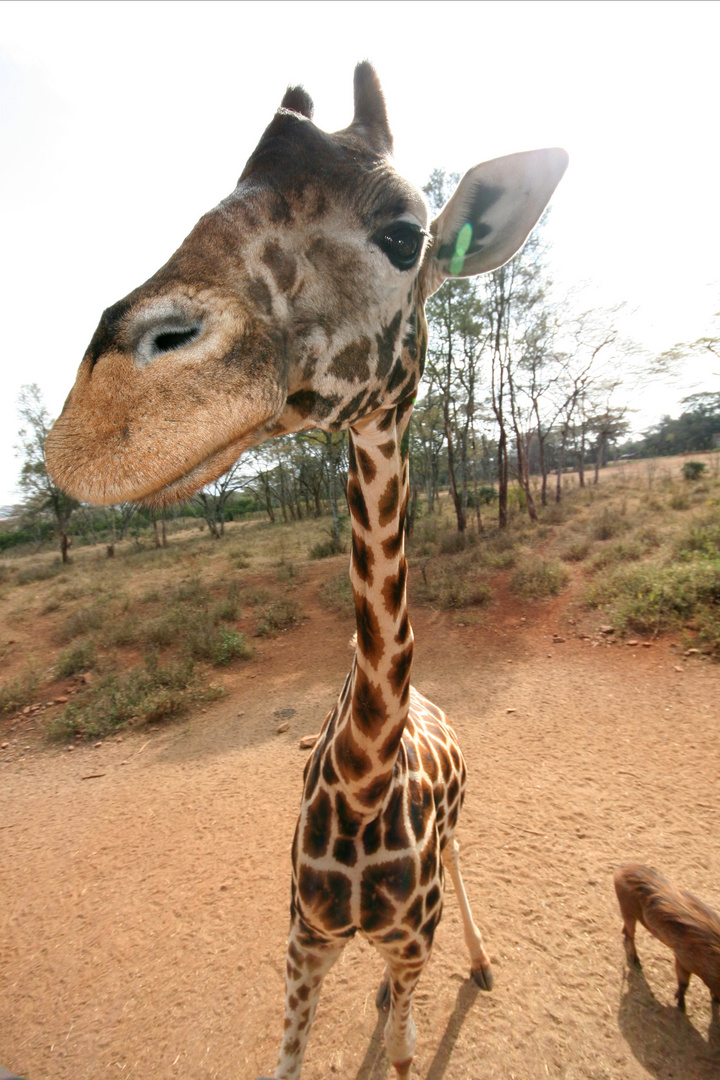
pixel 19 692
pixel 702 538
pixel 607 524
pixel 652 597
pixel 649 537
pixel 227 609
pixel 454 582
pixel 536 579
pixel 575 551
pixel 278 615
pixel 85 620
pixel 336 593
pixel 125 631
pixel 622 551
pixel 39 573
pixel 139 696
pixel 693 470
pixel 453 542
pixel 324 549
pixel 229 645
pixel 239 560
pixel 79 657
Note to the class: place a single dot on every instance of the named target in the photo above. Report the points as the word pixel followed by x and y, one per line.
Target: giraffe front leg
pixel 396 996
pixel 479 960
pixel 309 958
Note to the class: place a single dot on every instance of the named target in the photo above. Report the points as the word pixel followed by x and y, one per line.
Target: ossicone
pixel 370 112
pixel 298 100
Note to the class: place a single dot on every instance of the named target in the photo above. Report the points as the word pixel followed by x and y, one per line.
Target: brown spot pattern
pixel 281 264
pixel 387 507
pixel 351 363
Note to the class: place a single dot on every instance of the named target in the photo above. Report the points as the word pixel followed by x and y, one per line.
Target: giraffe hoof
pixel 483 976
pixel 382 998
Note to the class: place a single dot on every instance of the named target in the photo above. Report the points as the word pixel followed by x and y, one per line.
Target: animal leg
pixel 683 978
pixel 309 958
pixel 479 960
pixel 629 941
pixel 402 976
pixel 382 998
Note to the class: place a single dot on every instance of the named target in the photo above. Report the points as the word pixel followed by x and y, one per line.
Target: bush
pixel 702 538
pixel 651 598
pixel 279 615
pixel 229 646
pixel 678 501
pixel 84 621
pixel 693 470
pixel 19 692
pixel 455 582
pixel 607 524
pixel 453 542
pixel 39 573
pixel 137 697
pixel 536 579
pixel 324 549
pixel 575 551
pixel 79 657
pixel 622 551
pixel 336 593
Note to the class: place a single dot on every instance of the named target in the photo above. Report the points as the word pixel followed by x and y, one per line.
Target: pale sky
pixel 121 123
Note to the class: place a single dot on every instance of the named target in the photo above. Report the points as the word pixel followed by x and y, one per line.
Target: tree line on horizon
pixel 519 386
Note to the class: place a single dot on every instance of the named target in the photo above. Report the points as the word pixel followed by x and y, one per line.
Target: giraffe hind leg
pixel 479 960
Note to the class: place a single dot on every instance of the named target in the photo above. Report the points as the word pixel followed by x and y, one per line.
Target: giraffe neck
pixel 375 710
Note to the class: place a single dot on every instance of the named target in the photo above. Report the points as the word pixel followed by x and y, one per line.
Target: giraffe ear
pixel 491 214
pixel 370 113
pixel 298 100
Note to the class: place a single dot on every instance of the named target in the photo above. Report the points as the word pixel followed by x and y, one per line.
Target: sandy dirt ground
pixel 144 883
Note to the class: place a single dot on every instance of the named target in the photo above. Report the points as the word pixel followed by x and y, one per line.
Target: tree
pixel 212 501
pixel 43 498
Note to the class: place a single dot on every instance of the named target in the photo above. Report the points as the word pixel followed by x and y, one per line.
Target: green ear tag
pixel 461 245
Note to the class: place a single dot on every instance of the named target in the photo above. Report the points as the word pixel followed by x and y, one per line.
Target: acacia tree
pixel 454 317
pixel 213 500
pixel 43 498
pixel 521 347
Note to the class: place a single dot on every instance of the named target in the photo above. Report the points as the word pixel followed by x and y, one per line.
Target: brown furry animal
pixel 677 918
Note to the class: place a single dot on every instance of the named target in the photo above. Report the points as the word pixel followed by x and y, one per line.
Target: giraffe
pixel 298 302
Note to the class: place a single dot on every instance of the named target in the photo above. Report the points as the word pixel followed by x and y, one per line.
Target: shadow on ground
pixel 663 1039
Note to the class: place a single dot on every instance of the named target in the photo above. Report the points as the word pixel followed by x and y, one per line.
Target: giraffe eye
pixel 401 243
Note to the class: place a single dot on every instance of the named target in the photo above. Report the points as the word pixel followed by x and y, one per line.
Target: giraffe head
pixel 295 303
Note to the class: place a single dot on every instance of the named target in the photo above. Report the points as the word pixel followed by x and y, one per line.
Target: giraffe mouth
pixel 204 472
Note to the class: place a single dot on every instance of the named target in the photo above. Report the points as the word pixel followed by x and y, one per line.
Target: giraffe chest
pixel 380 873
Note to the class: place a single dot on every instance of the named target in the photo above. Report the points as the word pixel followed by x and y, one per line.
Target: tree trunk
pixel 65 544
pixel 459 513
pixel 502 480
pixel 410 516
pixel 581 462
pixel 599 457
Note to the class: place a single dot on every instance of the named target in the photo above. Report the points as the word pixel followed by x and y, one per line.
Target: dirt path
pixel 144 883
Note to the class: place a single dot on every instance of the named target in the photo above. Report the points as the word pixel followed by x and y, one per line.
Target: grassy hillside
pixel 141 637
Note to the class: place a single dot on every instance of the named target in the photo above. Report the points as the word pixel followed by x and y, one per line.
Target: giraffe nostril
pixel 165 335
pixel 170 339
